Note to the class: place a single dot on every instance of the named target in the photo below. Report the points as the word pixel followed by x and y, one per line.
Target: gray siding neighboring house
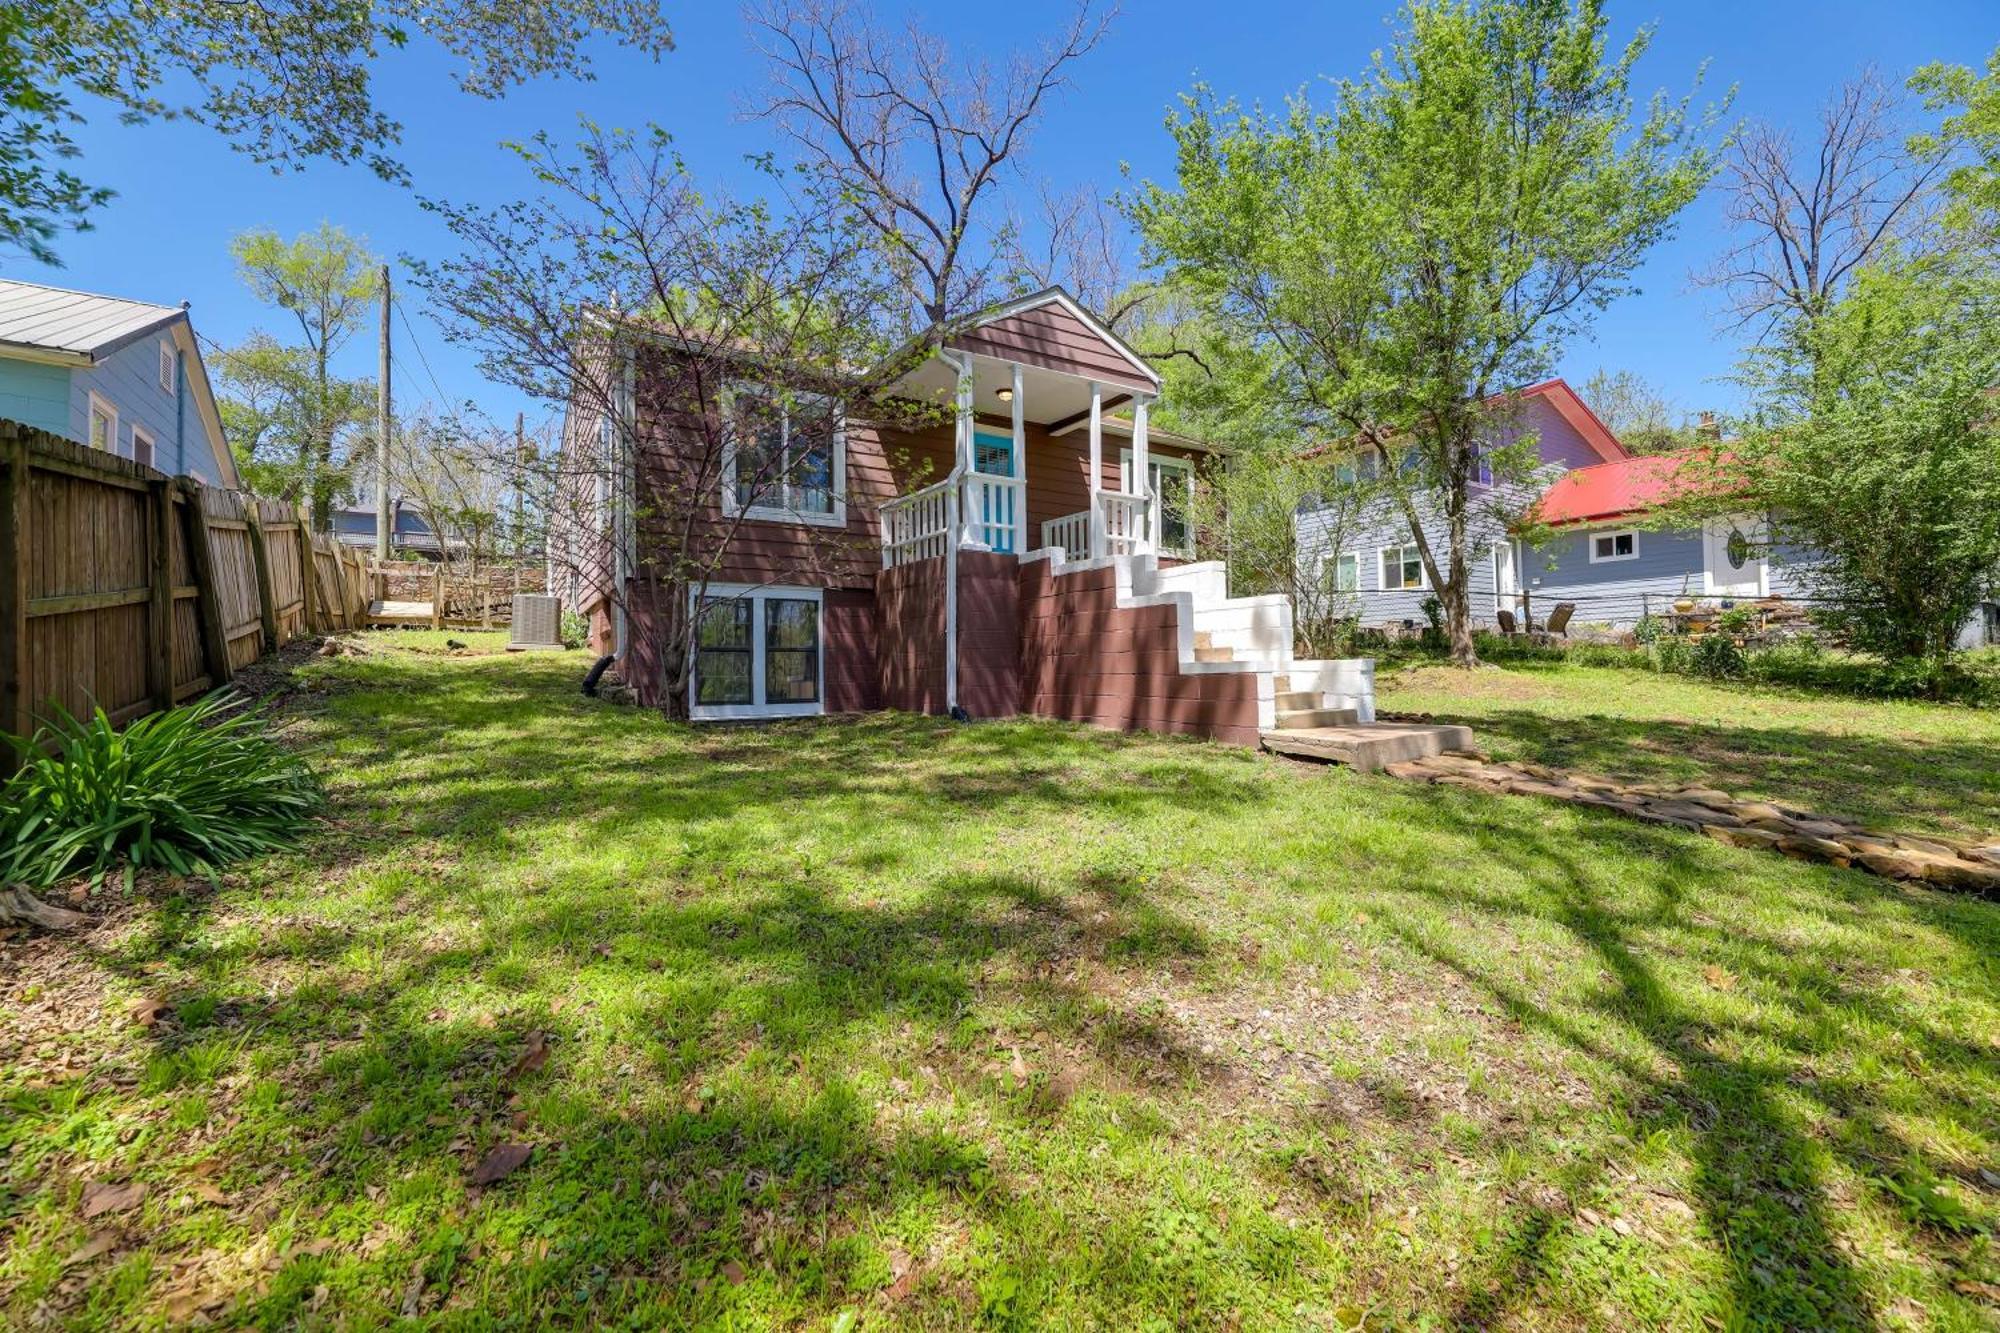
pixel 124 376
pixel 1567 435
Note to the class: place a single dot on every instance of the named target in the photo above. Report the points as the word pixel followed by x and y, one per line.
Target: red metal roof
pixel 1612 490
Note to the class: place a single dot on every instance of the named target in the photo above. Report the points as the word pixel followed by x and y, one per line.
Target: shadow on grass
pixel 723 993
pixel 1760 1183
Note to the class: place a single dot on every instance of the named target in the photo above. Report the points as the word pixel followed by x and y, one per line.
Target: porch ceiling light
pixel 1006 395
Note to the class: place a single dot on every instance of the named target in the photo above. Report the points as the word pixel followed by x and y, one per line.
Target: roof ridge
pixel 95 296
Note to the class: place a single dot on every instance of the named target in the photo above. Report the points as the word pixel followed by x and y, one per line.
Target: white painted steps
pixel 1220 634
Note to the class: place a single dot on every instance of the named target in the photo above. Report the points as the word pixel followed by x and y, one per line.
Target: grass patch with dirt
pixel 571 1017
pixel 1900 764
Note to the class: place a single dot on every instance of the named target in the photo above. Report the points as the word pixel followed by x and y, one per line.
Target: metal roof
pixel 75 324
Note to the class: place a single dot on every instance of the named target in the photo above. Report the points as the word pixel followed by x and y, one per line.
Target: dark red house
pixel 1031 553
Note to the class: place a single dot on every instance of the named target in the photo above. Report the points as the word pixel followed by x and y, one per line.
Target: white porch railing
pixel 1121 528
pixel 993 506
pixel 918 526
pixel 1122 520
pixel 1069 534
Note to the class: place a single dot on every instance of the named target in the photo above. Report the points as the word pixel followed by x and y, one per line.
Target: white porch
pixel 983 501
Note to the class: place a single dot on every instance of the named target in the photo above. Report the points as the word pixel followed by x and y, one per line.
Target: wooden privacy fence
pixel 129 590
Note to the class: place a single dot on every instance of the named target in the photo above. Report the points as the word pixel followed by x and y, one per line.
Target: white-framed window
pixel 142 445
pixel 168 366
pixel 1608 546
pixel 103 424
pixel 1347 572
pixel 1482 465
pixel 759 652
pixel 1402 567
pixel 1171 482
pixel 784 457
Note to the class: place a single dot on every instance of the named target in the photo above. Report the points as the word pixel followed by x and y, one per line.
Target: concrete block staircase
pixel 1308 708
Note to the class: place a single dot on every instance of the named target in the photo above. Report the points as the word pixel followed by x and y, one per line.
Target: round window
pixel 1738 549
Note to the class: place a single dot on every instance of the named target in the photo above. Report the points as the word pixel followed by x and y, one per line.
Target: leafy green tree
pixel 284 405
pixel 1876 450
pixel 1428 242
pixel 1644 419
pixel 1974 183
pixel 284 83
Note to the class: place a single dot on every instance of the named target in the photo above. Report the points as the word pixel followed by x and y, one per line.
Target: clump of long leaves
pixel 189 789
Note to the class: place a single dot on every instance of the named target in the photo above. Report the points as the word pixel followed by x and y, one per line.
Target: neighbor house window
pixel 757 653
pixel 783 458
pixel 1347 572
pixel 167 367
pixel 1402 567
pixel 1171 482
pixel 103 425
pixel 1613 546
pixel 142 447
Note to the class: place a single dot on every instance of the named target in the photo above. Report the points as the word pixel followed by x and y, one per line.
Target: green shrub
pixel 190 789
pixel 1648 630
pixel 575 630
pixel 1716 657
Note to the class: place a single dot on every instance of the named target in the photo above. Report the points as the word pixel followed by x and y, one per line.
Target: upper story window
pixel 168 367
pixel 142 447
pixel 103 425
pixel 1482 465
pixel 1614 546
pixel 784 457
pixel 1347 572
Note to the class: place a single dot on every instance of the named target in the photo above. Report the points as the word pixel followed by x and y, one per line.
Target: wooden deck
pixel 402 613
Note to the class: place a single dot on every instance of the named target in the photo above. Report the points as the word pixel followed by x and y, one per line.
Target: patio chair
pixel 1558 622
pixel 1506 622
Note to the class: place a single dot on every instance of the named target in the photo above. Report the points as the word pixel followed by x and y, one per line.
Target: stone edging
pixel 1953 863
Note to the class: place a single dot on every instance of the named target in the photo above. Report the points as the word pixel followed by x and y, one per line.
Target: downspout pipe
pixel 961 435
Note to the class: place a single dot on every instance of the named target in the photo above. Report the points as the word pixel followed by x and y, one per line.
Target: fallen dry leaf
pixel 533 1058
pixel 734 1272
pixel 100 1242
pixel 146 1012
pixel 207 1192
pixel 100 1198
pixel 501 1162
pixel 414 1293
pixel 1720 978
pixel 1986 1290
pixel 1020 1066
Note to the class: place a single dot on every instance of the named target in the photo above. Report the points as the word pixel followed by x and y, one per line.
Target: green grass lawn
pixel 895 1023
pixel 1895 764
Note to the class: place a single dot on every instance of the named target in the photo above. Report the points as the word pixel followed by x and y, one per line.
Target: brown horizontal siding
pixel 910 640
pixel 1052 337
pixel 1085 659
pixel 847 633
pixel 989 634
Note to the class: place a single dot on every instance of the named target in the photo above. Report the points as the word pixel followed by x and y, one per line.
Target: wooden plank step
pixel 1214 654
pixel 1292 700
pixel 1367 747
pixel 1305 719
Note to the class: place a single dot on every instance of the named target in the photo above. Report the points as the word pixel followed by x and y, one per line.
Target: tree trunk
pixel 1458 617
pixel 20 905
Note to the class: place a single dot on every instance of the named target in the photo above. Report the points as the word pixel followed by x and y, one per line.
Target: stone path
pixel 1953 863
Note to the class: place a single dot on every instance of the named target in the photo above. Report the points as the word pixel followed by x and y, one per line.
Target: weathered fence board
pixel 127 590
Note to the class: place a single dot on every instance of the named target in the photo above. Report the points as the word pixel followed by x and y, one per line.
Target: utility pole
pixel 384 513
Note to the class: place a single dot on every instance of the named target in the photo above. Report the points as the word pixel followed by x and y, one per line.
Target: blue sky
pixel 182 193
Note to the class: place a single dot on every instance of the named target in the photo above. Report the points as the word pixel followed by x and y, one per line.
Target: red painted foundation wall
pixel 1085 660
pixel 909 636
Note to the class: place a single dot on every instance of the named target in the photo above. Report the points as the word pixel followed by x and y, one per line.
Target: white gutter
pixel 624 541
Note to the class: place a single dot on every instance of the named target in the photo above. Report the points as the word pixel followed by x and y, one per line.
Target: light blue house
pixel 1375 558
pixel 122 376
pixel 1604 558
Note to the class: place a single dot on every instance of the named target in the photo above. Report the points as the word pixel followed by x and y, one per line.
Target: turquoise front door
pixel 993 456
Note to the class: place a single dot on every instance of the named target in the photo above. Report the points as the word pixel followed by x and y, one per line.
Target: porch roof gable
pixel 1049 329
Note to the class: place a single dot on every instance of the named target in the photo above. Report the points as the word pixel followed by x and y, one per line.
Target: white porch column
pixel 961 531
pixel 1142 476
pixel 1020 464
pixel 1097 542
